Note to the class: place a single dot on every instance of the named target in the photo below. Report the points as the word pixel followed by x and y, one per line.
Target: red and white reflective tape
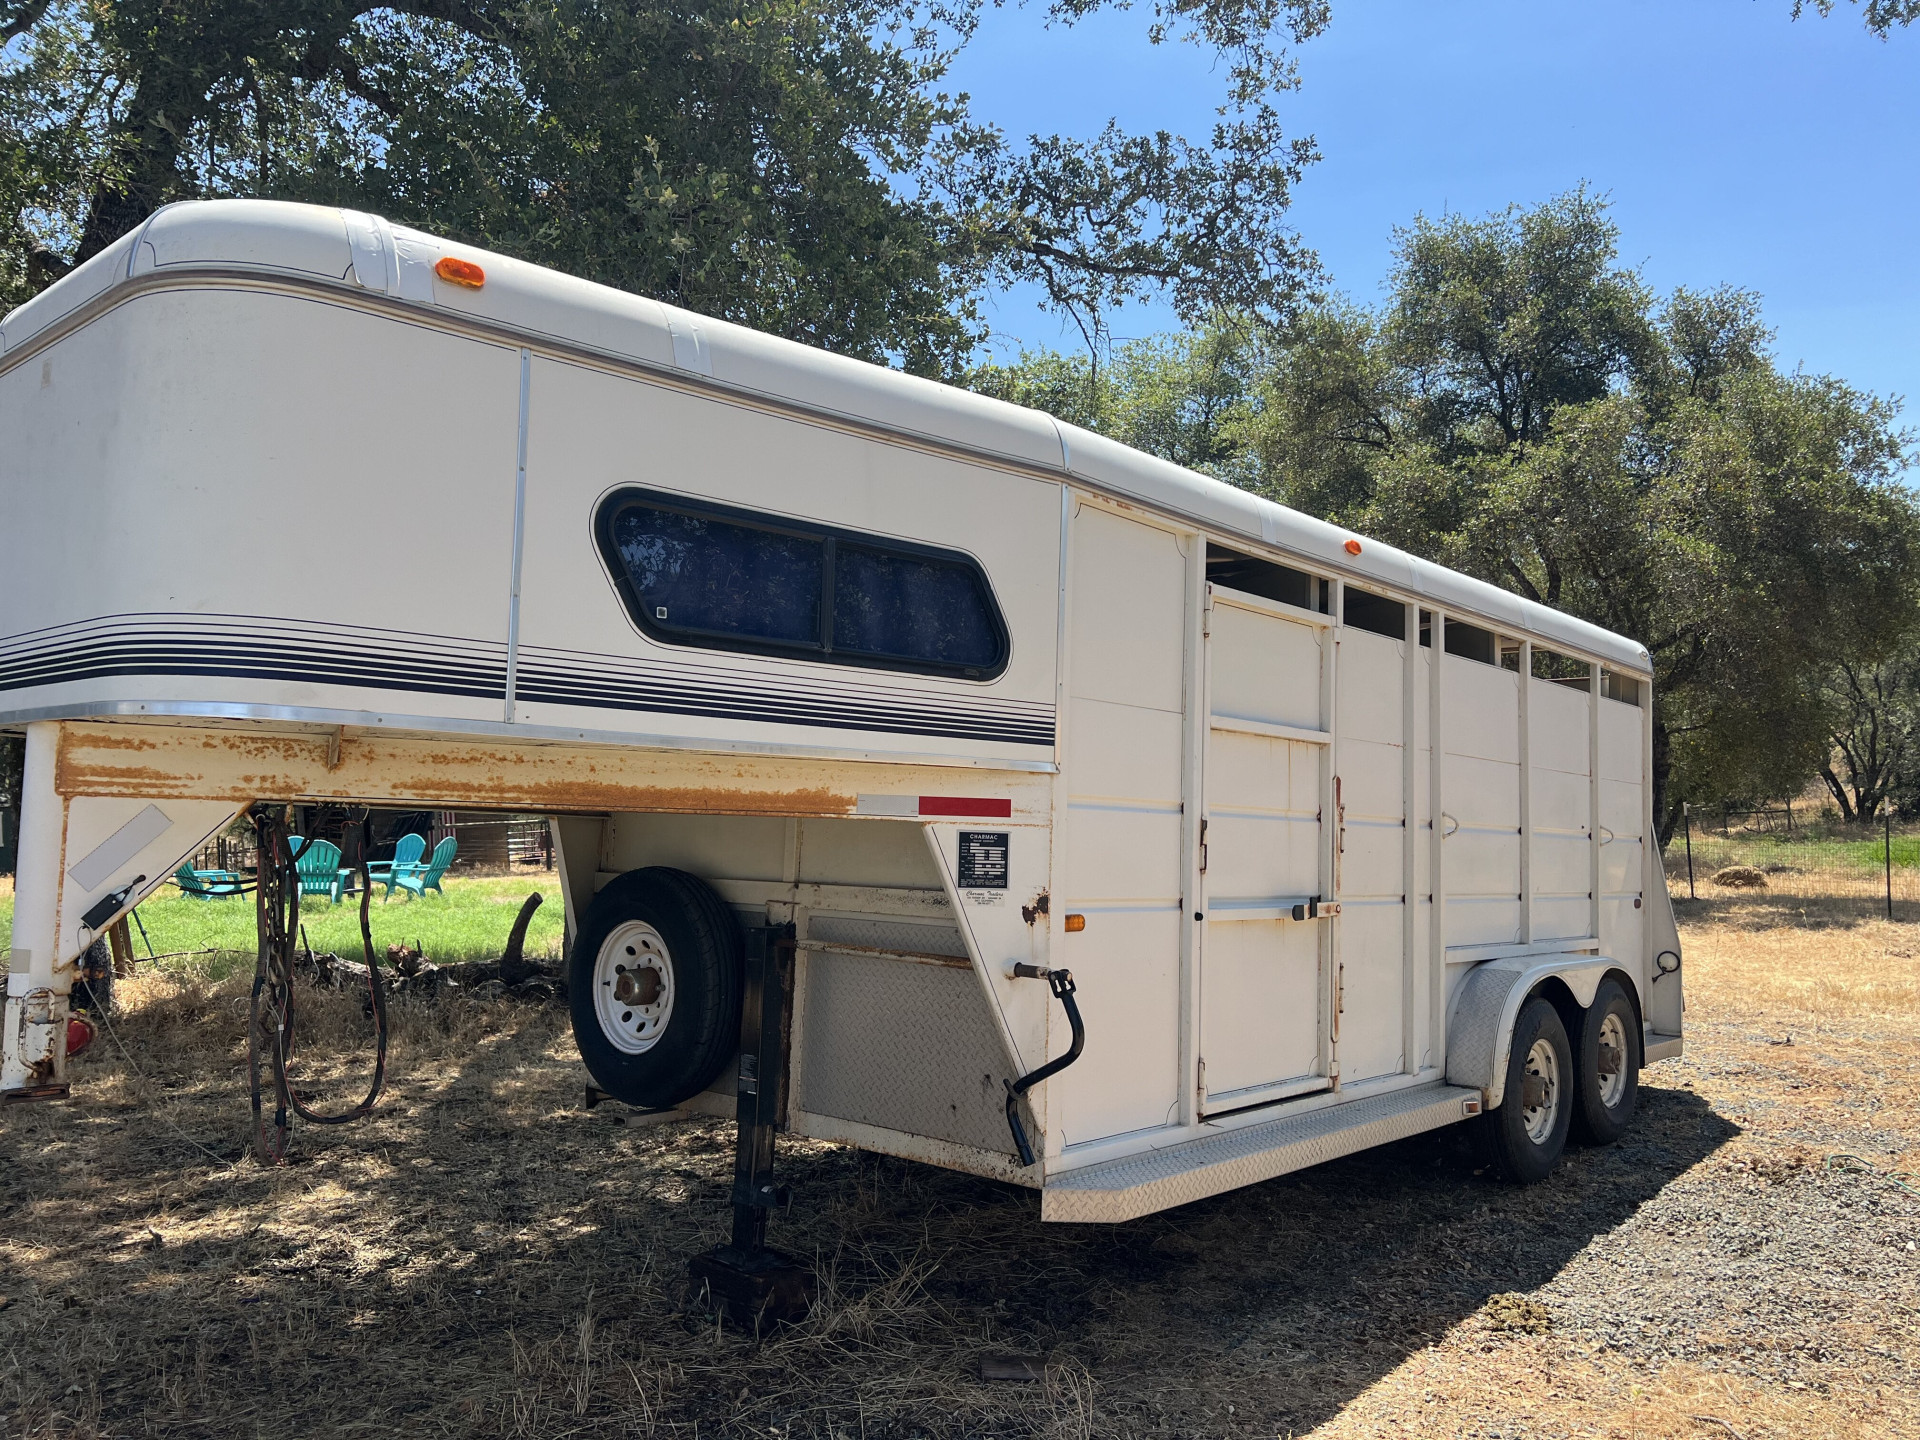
pixel 960 807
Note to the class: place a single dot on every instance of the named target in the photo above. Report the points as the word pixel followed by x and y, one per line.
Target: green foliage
pixel 1190 398
pixel 1882 16
pixel 791 164
pixel 1873 717
pixel 1524 409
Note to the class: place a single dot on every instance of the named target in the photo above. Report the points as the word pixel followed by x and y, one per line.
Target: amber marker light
pixel 1353 546
pixel 1076 923
pixel 460 272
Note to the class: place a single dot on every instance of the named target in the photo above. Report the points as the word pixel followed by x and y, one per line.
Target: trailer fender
pixel 1480 1022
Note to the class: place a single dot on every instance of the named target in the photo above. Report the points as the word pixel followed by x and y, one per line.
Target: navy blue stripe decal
pixel 484 677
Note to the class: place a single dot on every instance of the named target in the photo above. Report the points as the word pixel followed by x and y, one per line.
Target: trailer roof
pixel 391 264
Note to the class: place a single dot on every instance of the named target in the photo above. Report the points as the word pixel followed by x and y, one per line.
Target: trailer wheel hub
pixel 1612 1060
pixel 633 987
pixel 1540 1091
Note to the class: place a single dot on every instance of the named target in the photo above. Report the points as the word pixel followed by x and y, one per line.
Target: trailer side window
pixel 712 576
pixel 908 607
pixel 1560 669
pixel 699 575
pixel 1470 642
pixel 1269 581
pixel 1368 611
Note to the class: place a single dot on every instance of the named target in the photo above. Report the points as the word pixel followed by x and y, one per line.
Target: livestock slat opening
pixel 1266 579
pixel 1470 642
pixel 1561 669
pixel 1623 688
pixel 1365 610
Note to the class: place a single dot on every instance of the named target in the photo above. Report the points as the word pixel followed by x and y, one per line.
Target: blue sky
pixel 1738 146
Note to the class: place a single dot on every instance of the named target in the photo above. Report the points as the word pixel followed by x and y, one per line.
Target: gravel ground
pixel 484 1259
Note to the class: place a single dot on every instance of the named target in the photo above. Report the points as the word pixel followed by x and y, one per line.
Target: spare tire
pixel 654 982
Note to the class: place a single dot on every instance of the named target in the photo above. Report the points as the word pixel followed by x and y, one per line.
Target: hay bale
pixel 1740 877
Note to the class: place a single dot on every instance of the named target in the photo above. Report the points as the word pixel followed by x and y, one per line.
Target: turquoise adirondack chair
pixel 210 884
pixel 423 878
pixel 318 862
pixel 406 858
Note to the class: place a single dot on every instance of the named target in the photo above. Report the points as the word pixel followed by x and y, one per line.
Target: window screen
pixel 692 574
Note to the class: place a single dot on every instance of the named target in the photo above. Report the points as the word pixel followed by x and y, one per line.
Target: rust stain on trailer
pixel 590 796
pixel 124 738
pixel 545 778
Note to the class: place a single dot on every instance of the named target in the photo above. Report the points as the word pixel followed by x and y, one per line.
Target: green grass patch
pixel 470 922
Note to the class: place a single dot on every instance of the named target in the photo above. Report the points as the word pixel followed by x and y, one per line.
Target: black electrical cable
pixel 271 1027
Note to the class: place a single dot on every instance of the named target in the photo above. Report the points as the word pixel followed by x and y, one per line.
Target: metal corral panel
pixel 1179 1174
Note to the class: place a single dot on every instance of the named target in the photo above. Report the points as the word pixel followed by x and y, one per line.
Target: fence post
pixel 1686 818
pixel 1888 815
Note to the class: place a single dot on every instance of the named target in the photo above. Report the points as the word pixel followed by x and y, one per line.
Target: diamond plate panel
pixel 903 1046
pixel 1160 1179
pixel 907 936
pixel 1473 1030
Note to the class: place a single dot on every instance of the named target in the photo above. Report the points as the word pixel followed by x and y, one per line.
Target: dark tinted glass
pixel 908 608
pixel 692 573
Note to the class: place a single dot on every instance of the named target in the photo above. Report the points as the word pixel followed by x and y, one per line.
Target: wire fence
pixel 1871 868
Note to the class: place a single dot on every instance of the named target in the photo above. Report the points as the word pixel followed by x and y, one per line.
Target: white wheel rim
pixel 1613 1086
pixel 1543 1065
pixel 633 987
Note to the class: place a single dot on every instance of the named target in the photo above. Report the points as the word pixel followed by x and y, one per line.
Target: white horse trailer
pixel 1336 845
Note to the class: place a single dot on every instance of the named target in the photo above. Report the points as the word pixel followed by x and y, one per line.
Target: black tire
pixel 699 966
pixel 1512 1149
pixel 1595 1121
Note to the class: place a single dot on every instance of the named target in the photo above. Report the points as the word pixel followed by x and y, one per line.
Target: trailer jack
pixel 750 1282
pixel 1061 983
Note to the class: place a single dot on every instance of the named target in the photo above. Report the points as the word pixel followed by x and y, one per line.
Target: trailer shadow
pixel 484 1258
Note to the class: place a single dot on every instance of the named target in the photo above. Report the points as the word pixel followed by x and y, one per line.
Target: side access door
pixel 1267 865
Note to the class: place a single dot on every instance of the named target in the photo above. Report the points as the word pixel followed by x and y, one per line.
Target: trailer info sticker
pixel 983 866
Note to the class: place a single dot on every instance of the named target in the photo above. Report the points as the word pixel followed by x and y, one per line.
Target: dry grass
pixel 1822 961
pixel 485 1258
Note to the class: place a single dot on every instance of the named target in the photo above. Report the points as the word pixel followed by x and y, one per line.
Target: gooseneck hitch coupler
pixel 1061 983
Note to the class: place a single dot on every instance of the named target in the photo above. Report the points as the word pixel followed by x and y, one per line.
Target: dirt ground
pixel 486 1258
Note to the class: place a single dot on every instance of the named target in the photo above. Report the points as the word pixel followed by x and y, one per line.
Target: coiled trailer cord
pixel 270 1018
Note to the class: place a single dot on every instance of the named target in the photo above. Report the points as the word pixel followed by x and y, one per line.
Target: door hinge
pixel 1203 847
pixel 1200 1083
